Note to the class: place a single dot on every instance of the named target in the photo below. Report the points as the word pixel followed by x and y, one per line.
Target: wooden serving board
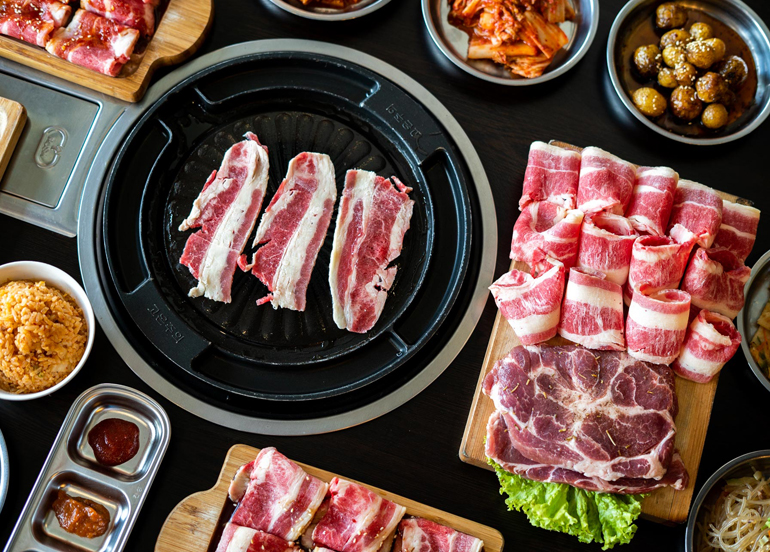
pixel 12 119
pixel 695 402
pixel 180 32
pixel 193 522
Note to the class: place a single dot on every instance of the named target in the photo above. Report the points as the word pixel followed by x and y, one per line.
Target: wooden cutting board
pixel 193 522
pixel 12 119
pixel 695 402
pixel 181 31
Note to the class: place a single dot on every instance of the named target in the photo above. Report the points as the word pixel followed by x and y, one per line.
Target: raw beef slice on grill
pixel 601 413
pixel 500 448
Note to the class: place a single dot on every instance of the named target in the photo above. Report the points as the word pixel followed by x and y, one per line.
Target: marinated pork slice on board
pixel 225 211
pixel 292 230
pixel 574 408
pixel 32 21
pixel 244 539
pixel 136 14
pixel 358 520
pixel 372 219
pixel 423 535
pixel 275 495
pixel 501 448
pixel 94 42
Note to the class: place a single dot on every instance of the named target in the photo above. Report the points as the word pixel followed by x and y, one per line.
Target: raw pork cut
pixel 738 230
pixel 244 539
pixel 371 222
pixel 532 306
pixel 500 448
pixel 652 199
pixel 658 261
pixel 422 535
pixel 292 230
pixel 94 42
pixel 592 313
pixel 711 341
pixel 32 21
pixel 275 495
pixel 544 230
pixel 606 242
pixel 552 175
pixel 699 209
pixel 606 182
pixel 715 279
pixel 358 520
pixel 656 324
pixel 225 211
pixel 601 413
pixel 136 14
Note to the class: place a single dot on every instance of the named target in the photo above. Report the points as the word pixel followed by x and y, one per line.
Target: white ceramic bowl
pixel 31 270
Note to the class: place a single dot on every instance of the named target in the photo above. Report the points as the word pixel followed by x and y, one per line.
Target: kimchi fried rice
pixel 43 335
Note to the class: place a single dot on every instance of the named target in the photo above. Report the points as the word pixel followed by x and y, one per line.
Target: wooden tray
pixel 193 522
pixel 695 401
pixel 180 33
pixel 12 119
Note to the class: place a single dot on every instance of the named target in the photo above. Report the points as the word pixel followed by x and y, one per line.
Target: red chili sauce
pixel 114 441
pixel 80 516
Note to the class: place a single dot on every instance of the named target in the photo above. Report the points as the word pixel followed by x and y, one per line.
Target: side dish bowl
pixel 733 13
pixel 322 13
pixel 757 293
pixel 453 43
pixel 35 271
pixel 743 466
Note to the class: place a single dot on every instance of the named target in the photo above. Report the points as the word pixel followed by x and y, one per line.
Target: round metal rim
pixel 433 32
pixel 488 244
pixel 612 69
pixel 3 471
pixel 706 488
pixel 344 16
pixel 760 375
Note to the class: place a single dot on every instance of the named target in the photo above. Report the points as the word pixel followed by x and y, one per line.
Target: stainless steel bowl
pixel 757 295
pixel 735 14
pixel 321 13
pixel 3 471
pixel 743 466
pixel 453 43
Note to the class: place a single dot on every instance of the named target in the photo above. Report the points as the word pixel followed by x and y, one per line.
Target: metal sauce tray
pixel 71 467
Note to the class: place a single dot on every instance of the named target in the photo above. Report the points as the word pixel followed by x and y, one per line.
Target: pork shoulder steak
pixel 601 413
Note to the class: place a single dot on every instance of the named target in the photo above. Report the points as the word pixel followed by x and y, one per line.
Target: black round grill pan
pixel 294 103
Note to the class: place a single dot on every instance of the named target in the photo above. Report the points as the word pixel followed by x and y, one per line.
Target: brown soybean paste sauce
pixel 114 441
pixel 643 32
pixel 80 516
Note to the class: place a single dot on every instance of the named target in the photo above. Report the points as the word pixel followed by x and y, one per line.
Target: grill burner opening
pixel 294 104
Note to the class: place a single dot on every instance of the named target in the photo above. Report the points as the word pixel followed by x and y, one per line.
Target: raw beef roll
pixel 738 230
pixel 699 209
pixel 711 341
pixel 652 199
pixel 422 535
pixel 532 306
pixel 552 175
pixel 656 324
pixel 244 539
pixel 606 242
pixel 592 313
pixel 544 230
pixel 715 279
pixel 659 261
pixel 606 182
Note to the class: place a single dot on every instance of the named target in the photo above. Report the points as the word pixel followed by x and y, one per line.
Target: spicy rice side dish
pixel 43 336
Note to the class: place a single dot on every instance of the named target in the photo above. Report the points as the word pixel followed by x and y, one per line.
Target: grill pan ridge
pixel 293 102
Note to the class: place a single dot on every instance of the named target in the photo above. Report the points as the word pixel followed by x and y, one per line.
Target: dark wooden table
pixel 413 450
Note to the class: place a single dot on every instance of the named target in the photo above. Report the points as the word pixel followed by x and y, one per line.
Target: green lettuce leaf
pixel 591 517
